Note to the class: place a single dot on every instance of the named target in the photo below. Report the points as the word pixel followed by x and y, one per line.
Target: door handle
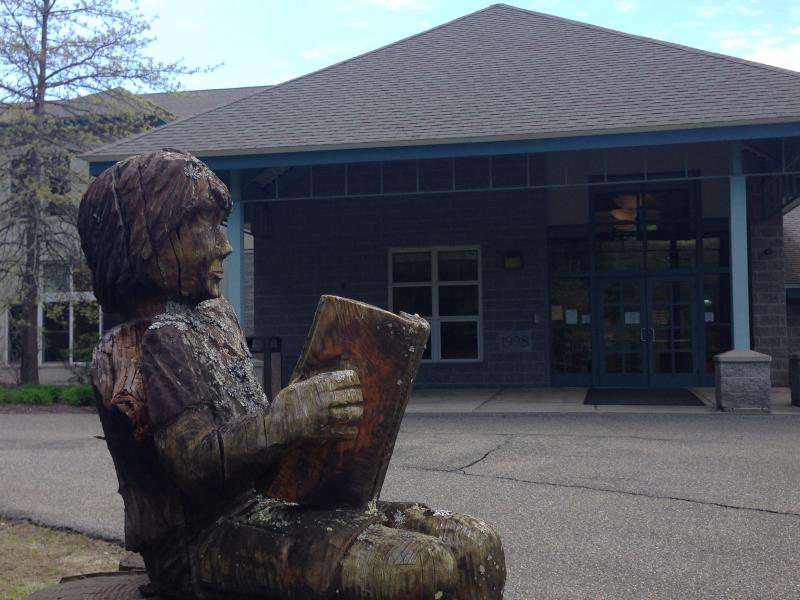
pixel 652 334
pixel 643 335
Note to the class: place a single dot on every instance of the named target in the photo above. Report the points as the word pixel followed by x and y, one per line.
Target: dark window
pixel 435 175
pixel 329 180
pixel 364 178
pixel 509 170
pixel 399 176
pixel 55 334
pixel 472 173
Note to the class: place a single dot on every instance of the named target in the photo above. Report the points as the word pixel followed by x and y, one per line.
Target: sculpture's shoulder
pixel 116 373
pixel 196 354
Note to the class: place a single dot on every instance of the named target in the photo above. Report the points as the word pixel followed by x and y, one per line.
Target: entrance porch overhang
pixel 234 169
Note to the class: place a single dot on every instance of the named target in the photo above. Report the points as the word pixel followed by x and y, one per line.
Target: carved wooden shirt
pixel 190 363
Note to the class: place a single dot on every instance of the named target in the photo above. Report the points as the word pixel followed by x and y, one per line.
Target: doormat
pixel 642 397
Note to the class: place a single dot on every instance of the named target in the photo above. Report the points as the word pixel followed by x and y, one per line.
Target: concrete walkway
pixel 558 400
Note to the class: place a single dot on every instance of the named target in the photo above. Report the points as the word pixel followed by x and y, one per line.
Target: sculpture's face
pixel 191 260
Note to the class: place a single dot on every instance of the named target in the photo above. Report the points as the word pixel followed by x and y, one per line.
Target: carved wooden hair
pixel 131 209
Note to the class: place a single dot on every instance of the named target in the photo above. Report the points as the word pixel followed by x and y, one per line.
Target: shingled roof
pixel 190 102
pixel 498 74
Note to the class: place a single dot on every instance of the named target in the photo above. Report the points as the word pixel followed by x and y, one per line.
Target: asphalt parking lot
pixel 588 505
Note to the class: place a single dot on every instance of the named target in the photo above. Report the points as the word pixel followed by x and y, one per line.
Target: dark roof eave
pixel 394 150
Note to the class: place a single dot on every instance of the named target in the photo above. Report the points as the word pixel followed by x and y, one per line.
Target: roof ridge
pixel 242 87
pixel 304 76
pixel 644 38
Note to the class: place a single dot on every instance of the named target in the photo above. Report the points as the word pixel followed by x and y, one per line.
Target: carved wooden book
pixel 385 350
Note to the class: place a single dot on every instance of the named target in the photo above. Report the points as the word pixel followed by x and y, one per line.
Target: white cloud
pixel 733 43
pixel 357 25
pixel 748 12
pixel 581 14
pixel 795 30
pixel 707 11
pixel 772 41
pixel 424 25
pixel 401 4
pixel 318 52
pixel 624 6
pixel 787 57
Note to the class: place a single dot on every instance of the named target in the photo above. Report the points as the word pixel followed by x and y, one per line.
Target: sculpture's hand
pixel 326 406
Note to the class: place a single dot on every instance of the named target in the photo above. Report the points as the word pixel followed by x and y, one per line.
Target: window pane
pixel 458 265
pixel 364 178
pixel 509 170
pixel 55 337
pixel 55 277
pixel 472 172
pixel 410 267
pixel 85 325
pixel 459 340
pixel 435 174
pixel 569 249
pixel 572 350
pixel 328 180
pixel 458 300
pixel 399 176
pixel 413 300
pixel 295 183
pixel 569 301
pixel 716 299
pixel 15 323
pixel 716 243
pixel 81 278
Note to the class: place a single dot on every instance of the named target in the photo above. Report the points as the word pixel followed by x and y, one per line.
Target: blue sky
pixel 269 41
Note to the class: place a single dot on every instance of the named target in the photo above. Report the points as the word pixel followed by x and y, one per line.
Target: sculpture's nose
pixel 224 247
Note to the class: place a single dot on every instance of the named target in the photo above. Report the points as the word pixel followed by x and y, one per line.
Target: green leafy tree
pixel 65 66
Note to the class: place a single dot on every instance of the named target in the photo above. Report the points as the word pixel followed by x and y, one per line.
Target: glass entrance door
pixel 646 333
pixel 671 339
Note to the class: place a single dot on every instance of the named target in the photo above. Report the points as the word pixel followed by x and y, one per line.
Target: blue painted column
pixel 740 275
pixel 234 264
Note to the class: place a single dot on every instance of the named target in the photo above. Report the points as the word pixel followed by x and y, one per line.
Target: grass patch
pixel 33 558
pixel 75 395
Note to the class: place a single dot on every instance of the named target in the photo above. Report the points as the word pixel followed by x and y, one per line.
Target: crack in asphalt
pixel 590 488
pixel 482 458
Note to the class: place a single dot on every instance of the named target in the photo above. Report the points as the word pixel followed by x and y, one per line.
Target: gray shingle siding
pixel 343 249
pixel 767 287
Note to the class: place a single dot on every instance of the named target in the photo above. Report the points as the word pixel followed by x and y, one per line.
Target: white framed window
pixel 69 320
pixel 443 285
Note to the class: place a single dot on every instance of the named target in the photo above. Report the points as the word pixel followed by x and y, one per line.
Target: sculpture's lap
pixel 270 549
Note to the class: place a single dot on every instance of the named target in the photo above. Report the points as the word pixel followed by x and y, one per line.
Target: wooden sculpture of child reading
pixel 191 431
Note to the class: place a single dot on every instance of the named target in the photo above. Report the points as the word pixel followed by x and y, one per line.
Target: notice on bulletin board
pixel 709 317
pixel 556 312
pixel 632 318
pixel 571 316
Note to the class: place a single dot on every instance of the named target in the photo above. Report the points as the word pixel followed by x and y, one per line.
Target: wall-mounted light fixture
pixel 512 261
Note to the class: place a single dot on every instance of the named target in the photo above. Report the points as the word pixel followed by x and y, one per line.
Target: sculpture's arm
pixel 201 454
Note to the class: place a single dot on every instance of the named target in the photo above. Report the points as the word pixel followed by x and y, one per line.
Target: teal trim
pixel 593 142
pixel 234 264
pixel 740 284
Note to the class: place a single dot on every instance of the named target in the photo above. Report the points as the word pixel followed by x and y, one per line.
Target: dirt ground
pixel 43 408
pixel 33 557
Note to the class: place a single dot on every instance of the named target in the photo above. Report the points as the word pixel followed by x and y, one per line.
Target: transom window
pixel 443 286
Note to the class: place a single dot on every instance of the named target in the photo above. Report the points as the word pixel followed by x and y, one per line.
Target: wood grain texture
pixel 385 350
